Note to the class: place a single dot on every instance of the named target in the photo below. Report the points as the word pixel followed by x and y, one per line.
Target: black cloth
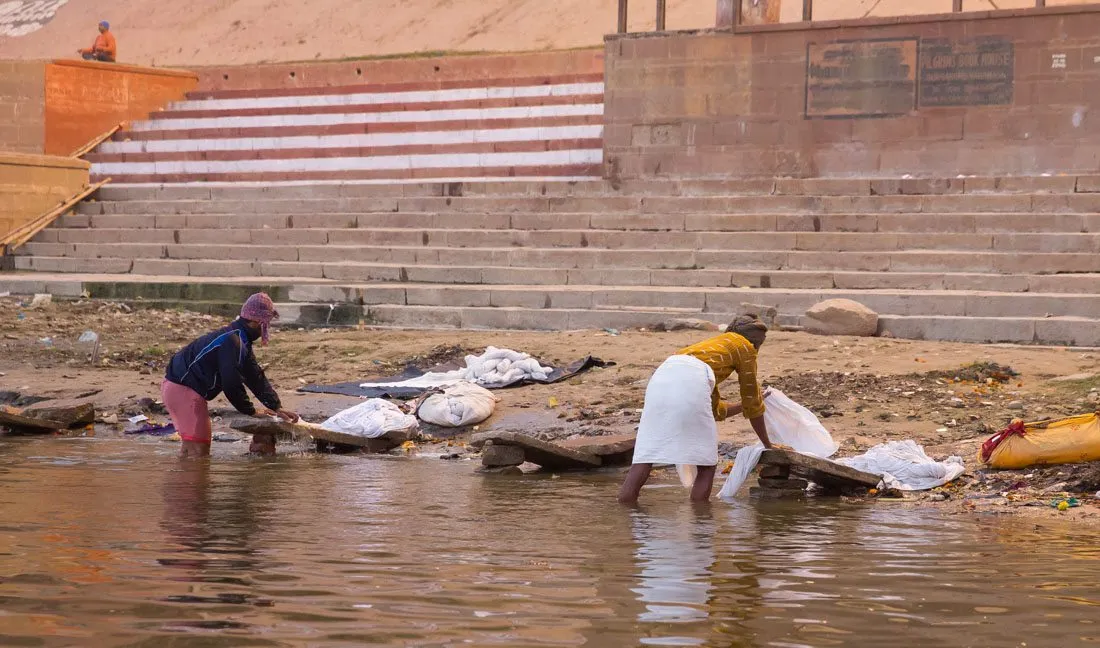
pixel 222 361
pixel 362 388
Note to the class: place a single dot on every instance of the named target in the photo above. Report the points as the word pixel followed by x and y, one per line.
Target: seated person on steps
pixel 104 49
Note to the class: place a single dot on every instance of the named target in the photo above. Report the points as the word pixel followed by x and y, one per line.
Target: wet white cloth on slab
pixel 905 466
pixel 678 425
pixel 493 368
pixel 789 424
pixel 371 419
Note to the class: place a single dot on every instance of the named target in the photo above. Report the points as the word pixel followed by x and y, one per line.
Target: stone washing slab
pixel 547 455
pixel 827 474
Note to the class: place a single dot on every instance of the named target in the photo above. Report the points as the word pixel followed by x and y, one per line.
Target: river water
pixel 118 543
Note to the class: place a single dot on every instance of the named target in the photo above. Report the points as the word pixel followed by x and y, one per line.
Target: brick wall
pixel 83 99
pixel 399 70
pixel 31 184
pixel 22 113
pixel 994 93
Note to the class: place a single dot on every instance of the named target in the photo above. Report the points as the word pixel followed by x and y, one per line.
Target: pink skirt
pixel 188 410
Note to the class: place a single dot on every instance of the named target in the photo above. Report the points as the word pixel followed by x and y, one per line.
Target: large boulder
pixel 841 317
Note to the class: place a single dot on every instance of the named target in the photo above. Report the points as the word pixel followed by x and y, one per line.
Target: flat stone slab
pixel 381 444
pixel 823 472
pixel 547 455
pixel 759 492
pixel 612 450
pixel 69 414
pixel 783 484
pixel 18 421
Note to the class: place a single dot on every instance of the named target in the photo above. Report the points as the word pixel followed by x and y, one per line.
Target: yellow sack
pixel 1070 440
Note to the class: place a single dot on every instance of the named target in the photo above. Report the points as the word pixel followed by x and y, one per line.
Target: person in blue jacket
pixel 222 362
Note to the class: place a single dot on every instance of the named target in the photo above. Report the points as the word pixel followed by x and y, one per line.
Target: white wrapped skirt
pixel 678 425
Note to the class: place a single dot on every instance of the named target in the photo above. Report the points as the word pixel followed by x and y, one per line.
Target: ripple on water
pixel 121 540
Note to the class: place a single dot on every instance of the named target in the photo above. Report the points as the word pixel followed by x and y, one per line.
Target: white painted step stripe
pixel 309 183
pixel 548 133
pixel 278 121
pixel 384 162
pixel 420 96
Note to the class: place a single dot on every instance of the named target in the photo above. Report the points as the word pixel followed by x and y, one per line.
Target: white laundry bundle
pixel 503 367
pixel 904 466
pixel 494 368
pixel 371 419
pixel 459 405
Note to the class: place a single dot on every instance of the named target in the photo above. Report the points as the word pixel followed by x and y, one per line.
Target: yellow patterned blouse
pixel 726 354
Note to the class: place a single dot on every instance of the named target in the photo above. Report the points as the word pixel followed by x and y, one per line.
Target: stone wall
pixel 1008 92
pixel 31 184
pixel 413 71
pixel 22 106
pixel 84 99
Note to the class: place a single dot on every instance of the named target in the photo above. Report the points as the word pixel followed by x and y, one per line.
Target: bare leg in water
pixel 704 482
pixel 632 486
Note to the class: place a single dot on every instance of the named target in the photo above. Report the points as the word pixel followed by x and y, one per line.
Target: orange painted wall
pixel 21 106
pixel 84 98
pixel 31 185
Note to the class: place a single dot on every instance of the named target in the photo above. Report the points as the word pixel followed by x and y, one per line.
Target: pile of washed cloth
pixel 493 368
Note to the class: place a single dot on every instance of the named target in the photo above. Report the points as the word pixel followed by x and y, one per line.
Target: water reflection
pixel 676 553
pixel 118 543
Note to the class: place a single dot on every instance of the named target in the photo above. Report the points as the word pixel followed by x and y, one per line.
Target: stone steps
pixel 89 216
pixel 466 264
pixel 582 238
pixel 177 269
pixel 877 206
pixel 481 129
pixel 906 314
pixel 655 187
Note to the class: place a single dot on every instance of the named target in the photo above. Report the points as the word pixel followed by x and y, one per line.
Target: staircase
pixel 1011 259
pixel 535 128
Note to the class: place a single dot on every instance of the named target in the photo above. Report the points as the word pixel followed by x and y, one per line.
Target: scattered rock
pixel 783 484
pixel 841 317
pixel 938 497
pixel 1015 405
pixel 686 324
pixel 500 456
pixel 41 301
pixel 68 414
pixel 767 314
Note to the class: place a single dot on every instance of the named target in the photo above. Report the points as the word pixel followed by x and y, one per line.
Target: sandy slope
pixel 202 32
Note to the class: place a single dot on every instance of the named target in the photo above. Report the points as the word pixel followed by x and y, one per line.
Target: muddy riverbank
pixel 947 397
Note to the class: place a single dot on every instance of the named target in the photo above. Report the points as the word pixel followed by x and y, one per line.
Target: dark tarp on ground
pixel 405 393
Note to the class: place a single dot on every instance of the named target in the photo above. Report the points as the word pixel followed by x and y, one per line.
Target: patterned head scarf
pixel 749 327
pixel 260 308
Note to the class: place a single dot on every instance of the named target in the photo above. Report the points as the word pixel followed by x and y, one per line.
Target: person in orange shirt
pixel 682 406
pixel 104 49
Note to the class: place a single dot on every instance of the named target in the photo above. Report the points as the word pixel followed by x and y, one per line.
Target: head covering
pixel 749 327
pixel 259 308
pixel 104 24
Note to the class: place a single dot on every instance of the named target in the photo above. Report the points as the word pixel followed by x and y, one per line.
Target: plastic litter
pixel 905 466
pixel 459 405
pixel 41 300
pixel 371 419
pixel 789 424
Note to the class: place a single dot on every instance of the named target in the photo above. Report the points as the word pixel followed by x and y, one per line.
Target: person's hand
pixel 288 416
pixel 263 412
